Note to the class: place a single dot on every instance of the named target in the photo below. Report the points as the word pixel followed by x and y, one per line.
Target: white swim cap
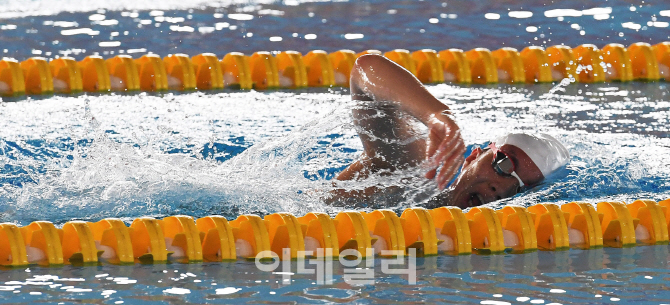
pixel 547 153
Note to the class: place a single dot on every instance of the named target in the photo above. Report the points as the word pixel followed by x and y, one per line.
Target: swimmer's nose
pixel 501 189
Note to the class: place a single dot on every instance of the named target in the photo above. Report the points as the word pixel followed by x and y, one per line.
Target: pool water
pixel 230 152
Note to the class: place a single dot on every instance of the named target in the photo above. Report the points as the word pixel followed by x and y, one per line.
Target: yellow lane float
pixel 207 70
pixel 662 53
pixel 518 229
pixel 652 228
pixel 403 58
pixel 643 60
pixel 182 238
pixel 65 75
pixel 537 65
pixel 419 230
pixel 264 73
pixel 617 224
pixel 123 75
pixel 12 247
pixel 43 243
pixel 550 226
pixel 251 237
pixel 236 73
pixel 386 227
pixel 428 66
pixel 112 237
pixel 218 240
pixel 78 243
pixel 291 69
pixel 319 69
pixel 455 66
pixel 11 78
pixel 152 73
pixel 584 230
pixel 444 230
pixel 94 74
pixel 453 228
pixel 590 69
pixel 180 72
pixel 320 235
pixel 148 240
pixel 353 232
pixel 343 62
pixel 618 63
pixel 486 231
pixel 37 76
pixel 285 232
pixel 482 66
pixel 510 65
pixel 562 62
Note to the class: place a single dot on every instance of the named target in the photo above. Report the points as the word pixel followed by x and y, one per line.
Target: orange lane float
pixel 180 72
pixel 444 230
pixel 94 74
pixel 590 69
pixel 319 69
pixel 37 76
pixel 617 224
pixel 386 227
pixel 11 78
pixel 320 235
pixel 123 75
pixel 292 70
pixel 455 66
pixel 218 240
pixel 662 53
pixel 428 66
pixel 562 62
pixel 403 58
pixel 112 237
pixel 482 66
pixel 343 62
pixel 584 230
pixel 152 73
pixel 618 63
pixel 536 64
pixel 550 226
pixel 235 69
pixel 510 65
pixel 486 231
pixel 453 228
pixel 643 60
pixel 207 70
pixel 264 73
pixel 65 75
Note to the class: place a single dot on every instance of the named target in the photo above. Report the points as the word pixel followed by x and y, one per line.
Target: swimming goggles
pixel 503 164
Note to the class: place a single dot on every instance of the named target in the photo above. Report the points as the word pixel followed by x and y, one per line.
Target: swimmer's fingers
pixel 449 173
pixel 450 165
pixel 449 146
pixel 446 157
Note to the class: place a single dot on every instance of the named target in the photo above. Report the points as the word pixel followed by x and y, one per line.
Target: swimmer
pixel 388 94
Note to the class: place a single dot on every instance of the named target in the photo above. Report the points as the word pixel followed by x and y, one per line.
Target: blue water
pixel 228 152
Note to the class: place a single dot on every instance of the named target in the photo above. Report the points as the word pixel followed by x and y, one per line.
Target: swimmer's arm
pixel 375 78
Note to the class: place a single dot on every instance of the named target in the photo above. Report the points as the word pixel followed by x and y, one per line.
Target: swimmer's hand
pixel 444 149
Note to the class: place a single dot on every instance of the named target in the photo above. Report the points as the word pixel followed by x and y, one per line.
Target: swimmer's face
pixel 479 183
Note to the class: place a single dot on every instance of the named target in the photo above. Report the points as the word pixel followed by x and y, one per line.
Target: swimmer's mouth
pixel 475 200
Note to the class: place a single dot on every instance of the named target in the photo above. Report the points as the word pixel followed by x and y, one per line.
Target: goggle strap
pixel 521 184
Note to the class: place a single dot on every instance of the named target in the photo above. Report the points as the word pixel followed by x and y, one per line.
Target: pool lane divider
pixel 293 70
pixel 382 233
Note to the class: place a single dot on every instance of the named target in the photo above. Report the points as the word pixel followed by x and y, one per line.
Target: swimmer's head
pixel 500 170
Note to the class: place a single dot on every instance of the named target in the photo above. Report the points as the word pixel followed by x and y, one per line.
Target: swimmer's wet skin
pixel 515 160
